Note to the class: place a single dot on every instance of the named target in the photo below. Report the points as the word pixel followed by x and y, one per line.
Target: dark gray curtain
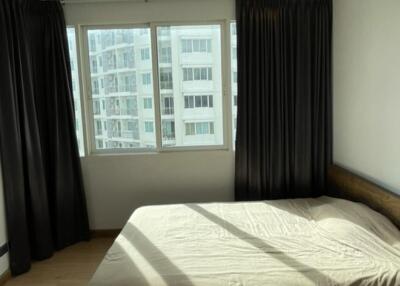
pixel 284 140
pixel 44 195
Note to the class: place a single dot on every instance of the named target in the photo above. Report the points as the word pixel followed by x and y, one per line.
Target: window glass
pixel 148 126
pixel 127 100
pixel 147 103
pixel 189 59
pixel 75 88
pixel 234 79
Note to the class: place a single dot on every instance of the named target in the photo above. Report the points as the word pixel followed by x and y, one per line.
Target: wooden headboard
pixel 344 184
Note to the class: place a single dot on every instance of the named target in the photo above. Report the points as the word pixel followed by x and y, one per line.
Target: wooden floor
pixel 72 266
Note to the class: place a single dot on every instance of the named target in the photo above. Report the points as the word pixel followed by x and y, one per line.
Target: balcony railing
pixel 166 84
pixel 168 111
pixel 121 88
pixel 121 111
pixel 127 88
pixel 170 136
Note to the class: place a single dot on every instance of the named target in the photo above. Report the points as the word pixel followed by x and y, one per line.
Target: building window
pixel 168 130
pixel 235 77
pixel 165 78
pixel 92 42
pixel 147 103
pixel 196 46
pixel 164 53
pixel 119 112
pixel 149 126
pixel 167 105
pixel 94 65
pixel 95 86
pixel 146 79
pixel 96 107
pixel 99 144
pixel 198 101
pixel 203 73
pixel 199 128
pixel 99 129
pixel 145 54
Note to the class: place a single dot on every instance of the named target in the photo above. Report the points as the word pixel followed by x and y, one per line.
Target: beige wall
pixel 117 184
pixel 367 88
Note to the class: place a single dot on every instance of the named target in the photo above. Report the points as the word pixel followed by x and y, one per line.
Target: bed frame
pixel 347 185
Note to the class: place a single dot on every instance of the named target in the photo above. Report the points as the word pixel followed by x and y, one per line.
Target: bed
pixel 320 241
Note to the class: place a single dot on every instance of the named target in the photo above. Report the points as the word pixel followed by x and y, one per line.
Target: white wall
pixel 367 88
pixel 117 184
pixel 4 264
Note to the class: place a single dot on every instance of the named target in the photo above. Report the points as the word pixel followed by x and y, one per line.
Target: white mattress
pixel 322 241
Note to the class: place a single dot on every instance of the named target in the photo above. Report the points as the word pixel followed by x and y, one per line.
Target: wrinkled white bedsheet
pixel 322 241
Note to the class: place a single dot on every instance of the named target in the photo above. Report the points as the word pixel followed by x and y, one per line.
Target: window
pixel 198 101
pixel 96 107
pixel 164 53
pixel 126 58
pixel 145 54
pixel 168 131
pixel 189 101
pixel 95 86
pixel 189 95
pixel 99 144
pixel 146 79
pixel 147 103
pixel 149 126
pixel 165 78
pixel 120 114
pixel 196 46
pixel 199 128
pixel 92 41
pixel 203 73
pixel 167 105
pixel 75 88
pixel 99 129
pixel 234 79
pixel 191 73
pixel 94 65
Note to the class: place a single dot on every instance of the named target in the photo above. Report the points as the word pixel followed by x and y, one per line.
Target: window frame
pixel 82 40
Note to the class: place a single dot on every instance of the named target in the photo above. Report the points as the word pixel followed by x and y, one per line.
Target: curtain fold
pixel 284 141
pixel 43 187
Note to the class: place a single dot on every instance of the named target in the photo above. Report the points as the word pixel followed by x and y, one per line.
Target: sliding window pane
pixel 121 77
pixel 234 79
pixel 190 85
pixel 75 88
